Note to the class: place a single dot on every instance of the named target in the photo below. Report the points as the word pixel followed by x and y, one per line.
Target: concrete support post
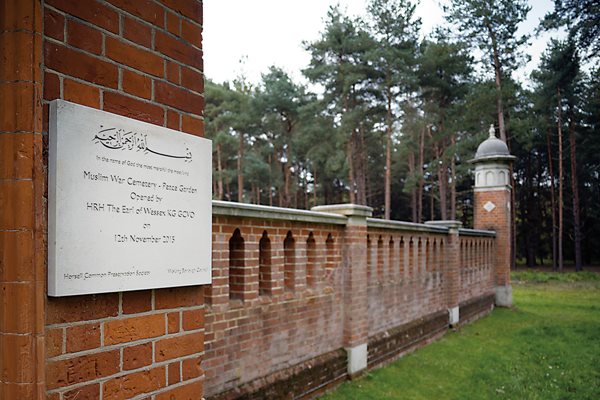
pixel 452 268
pixel 354 264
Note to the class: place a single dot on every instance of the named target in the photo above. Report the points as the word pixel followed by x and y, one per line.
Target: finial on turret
pixel 492 131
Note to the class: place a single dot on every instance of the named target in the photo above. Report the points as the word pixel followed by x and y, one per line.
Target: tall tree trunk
pixel 527 213
pixel 360 169
pixel 575 190
pixel 219 173
pixel 413 191
pixel 270 180
pixel 443 186
pixel 388 157
pixel 287 178
pixel 498 76
pixel 420 179
pixel 350 158
pixel 552 201
pixel 240 168
pixel 540 210
pixel 431 203
pixel 315 186
pixel 453 182
pixel 560 187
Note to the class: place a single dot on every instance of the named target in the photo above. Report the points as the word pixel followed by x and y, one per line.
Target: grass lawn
pixel 546 347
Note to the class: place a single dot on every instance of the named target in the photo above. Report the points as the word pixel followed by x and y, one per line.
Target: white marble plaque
pixel 129 204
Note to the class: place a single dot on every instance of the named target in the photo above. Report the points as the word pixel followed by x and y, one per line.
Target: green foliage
pixel 581 18
pixel 491 26
pixel 545 348
pixel 380 87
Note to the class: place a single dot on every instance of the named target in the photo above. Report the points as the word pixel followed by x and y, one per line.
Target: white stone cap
pixel 349 210
pixel 451 224
pixel 243 210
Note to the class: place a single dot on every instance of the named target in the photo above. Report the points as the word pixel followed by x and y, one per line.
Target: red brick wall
pixel 22 219
pixel 256 343
pixel 476 272
pixel 258 335
pixel 412 283
pixel 498 220
pixel 141 59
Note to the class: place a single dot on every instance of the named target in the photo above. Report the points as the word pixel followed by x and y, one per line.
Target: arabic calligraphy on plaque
pixel 120 139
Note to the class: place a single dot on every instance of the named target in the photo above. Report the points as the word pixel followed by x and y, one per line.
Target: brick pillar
pixel 451 266
pixel 354 264
pixel 491 209
pixel 22 213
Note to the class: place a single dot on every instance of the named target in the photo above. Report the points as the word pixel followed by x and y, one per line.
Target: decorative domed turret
pixel 492 207
pixel 491 162
pixel 492 148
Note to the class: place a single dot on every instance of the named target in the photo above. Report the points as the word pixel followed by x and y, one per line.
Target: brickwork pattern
pixel 262 332
pixel 498 220
pixel 410 278
pixel 301 381
pixel 388 345
pixel 476 307
pixel 476 271
pixel 141 59
pixel 351 285
pixel 22 215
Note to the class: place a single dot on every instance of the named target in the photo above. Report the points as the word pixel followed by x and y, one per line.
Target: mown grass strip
pixel 546 347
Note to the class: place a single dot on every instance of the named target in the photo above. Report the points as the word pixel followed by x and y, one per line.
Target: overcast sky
pixel 271 32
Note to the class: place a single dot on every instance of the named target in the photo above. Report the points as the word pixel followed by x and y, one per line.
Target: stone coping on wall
pixel 405 226
pixel 476 232
pixel 242 210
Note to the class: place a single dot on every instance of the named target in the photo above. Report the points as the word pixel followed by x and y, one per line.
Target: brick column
pixel 354 264
pixel 22 213
pixel 451 267
pixel 492 212
pixel 491 209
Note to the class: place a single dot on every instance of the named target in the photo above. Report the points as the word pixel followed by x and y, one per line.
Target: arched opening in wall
pixel 434 256
pixel 265 273
pixel 402 258
pixel 480 258
pixel 311 261
pixel 380 259
pixel 420 257
pixel 471 254
pixel 330 249
pixel 289 262
pixel 442 257
pixel 237 276
pixel 411 257
pixel 369 260
pixel 502 178
pixel 489 178
pixel 490 254
pixel 391 257
pixel 427 255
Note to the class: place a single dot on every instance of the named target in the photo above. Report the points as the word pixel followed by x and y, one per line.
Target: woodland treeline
pixel 389 120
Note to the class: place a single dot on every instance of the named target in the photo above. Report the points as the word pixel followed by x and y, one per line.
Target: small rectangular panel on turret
pixel 129 204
